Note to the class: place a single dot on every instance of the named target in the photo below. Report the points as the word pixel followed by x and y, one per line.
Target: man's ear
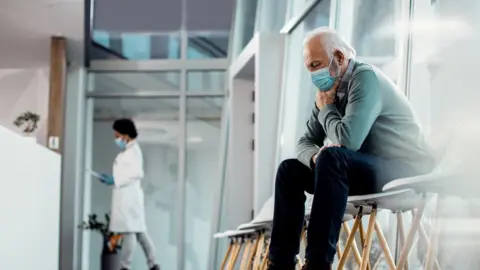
pixel 339 57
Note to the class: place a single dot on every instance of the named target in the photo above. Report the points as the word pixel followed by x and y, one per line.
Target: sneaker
pixel 155 267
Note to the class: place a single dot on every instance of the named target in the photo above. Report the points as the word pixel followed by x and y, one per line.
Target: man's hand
pixel 327 97
pixel 314 158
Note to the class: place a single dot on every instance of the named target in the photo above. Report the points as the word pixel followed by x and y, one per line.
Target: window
pixel 117 81
pixel 298 93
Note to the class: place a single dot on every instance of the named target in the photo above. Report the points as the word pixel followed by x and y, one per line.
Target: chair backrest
pixel 266 212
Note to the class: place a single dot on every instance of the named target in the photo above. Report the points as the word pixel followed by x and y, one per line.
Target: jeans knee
pixel 286 170
pixel 333 153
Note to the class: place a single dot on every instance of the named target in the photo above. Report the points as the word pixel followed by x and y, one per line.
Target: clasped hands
pixel 327 97
pixel 314 158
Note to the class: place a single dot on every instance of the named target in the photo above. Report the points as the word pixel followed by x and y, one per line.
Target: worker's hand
pixel 327 97
pixel 107 179
pixel 314 158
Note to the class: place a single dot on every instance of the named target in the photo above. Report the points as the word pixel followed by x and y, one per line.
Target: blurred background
pixel 220 96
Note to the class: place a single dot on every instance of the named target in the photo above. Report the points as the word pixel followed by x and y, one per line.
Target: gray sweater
pixel 371 115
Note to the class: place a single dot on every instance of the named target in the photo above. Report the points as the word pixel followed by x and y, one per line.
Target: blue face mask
pixel 121 143
pixel 321 78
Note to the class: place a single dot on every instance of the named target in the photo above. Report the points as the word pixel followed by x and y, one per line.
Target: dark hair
pixel 125 127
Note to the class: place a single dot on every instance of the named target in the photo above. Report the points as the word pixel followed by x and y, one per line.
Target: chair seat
pixel 254 226
pixel 399 200
pixel 231 233
pixel 350 210
pixel 455 184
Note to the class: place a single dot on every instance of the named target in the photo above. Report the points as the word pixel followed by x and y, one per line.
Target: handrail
pixel 221 51
pixel 108 50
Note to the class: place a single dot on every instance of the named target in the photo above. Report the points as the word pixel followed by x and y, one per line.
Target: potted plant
pixel 111 241
pixel 28 121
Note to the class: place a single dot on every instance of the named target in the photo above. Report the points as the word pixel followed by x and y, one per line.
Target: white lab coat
pixel 128 210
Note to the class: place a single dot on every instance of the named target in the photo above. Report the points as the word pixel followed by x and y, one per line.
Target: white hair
pixel 332 40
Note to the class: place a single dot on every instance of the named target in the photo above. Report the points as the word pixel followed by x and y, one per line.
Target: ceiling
pixel 27 25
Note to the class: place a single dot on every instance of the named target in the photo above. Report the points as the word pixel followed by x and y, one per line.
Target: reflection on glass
pixel 299 93
pixel 206 81
pixel 203 135
pixel 133 46
pixel 271 15
pixel 208 24
pixel 140 29
pixel 136 46
pixel 208 45
pixel 133 81
pixel 445 42
pixel 158 127
pixel 102 38
pixel 165 45
pixel 375 27
pixel 319 16
pixel 245 14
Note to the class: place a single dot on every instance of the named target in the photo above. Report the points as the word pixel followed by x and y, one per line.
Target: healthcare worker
pixel 127 215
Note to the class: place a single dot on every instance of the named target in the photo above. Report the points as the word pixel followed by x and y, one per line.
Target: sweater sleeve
pixel 363 108
pixel 310 143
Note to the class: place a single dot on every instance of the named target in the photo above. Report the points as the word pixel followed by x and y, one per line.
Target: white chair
pixel 240 240
pixel 396 201
pixel 351 212
pixel 462 185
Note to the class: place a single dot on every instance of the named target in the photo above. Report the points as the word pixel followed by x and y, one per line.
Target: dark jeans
pixel 339 173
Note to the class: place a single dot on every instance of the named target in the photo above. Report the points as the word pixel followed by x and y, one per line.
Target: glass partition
pixel 244 25
pixel 203 129
pixel 298 92
pixel 443 88
pixel 133 81
pixel 158 126
pixel 146 30
pixel 212 81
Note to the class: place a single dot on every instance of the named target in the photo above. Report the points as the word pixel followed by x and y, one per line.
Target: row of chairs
pixel 399 196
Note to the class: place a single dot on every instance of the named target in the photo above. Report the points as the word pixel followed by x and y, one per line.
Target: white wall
pixel 30 204
pixel 161 195
pixel 24 90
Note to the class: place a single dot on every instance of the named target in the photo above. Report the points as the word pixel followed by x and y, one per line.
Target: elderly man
pixel 374 138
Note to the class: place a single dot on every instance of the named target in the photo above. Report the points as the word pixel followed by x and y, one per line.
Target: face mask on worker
pixel 322 79
pixel 121 143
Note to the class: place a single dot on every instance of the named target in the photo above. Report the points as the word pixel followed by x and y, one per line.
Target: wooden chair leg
pixel 350 240
pixel 233 262
pixel 252 254
pixel 258 256
pixel 435 236
pixel 227 255
pixel 426 242
pixel 246 254
pixel 384 245
pixel 368 239
pixel 401 234
pixel 362 241
pixel 232 254
pixel 407 247
pixel 265 257
pixel 339 250
pixel 356 253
